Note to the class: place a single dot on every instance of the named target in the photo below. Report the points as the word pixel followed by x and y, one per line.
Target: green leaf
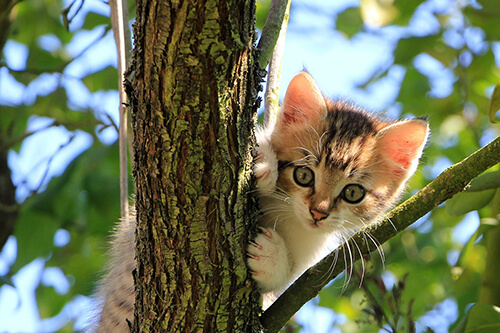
pixel 54 106
pixel 349 21
pixel 65 204
pixel 466 201
pixel 485 18
pixel 93 20
pixel 34 233
pixel 494 103
pixel 486 181
pixel 409 48
pixel 486 225
pixel 262 10
pixel 481 318
pixel 12 124
pixel 105 79
pixel 405 9
pixel 479 193
pixel 23 77
pixel 42 60
pixel 83 258
pixel 37 18
pixel 414 89
pixel 49 302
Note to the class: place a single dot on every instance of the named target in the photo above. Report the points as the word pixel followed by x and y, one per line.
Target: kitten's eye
pixel 353 193
pixel 303 176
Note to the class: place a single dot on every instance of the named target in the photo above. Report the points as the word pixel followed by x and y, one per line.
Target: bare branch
pixel 271 97
pixel 271 31
pixel 446 185
pixel 119 19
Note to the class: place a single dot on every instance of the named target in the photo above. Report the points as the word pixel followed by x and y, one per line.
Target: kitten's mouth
pixel 316 224
pixel 323 224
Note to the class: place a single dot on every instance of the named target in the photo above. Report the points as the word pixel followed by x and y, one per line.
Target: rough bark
pixel 191 84
pixel 5 19
pixel 8 205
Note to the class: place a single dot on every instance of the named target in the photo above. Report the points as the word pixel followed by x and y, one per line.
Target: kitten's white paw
pixel 266 166
pixel 268 260
pixel 263 170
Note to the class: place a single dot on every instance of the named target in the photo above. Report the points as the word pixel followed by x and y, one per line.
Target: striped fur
pixel 348 151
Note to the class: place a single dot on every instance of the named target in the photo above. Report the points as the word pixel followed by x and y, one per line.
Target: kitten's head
pixel 340 166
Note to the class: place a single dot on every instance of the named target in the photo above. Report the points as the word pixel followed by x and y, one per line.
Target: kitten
pixel 324 170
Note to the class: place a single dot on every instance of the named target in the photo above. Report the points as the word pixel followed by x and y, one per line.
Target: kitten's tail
pixel 116 294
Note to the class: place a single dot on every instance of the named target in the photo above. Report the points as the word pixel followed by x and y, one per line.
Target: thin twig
pixel 271 31
pixel 446 185
pixel 119 20
pixel 15 141
pixel 45 175
pixel 271 97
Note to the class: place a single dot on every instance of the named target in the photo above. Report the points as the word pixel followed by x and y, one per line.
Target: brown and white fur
pixel 342 145
pixel 325 169
pixel 116 295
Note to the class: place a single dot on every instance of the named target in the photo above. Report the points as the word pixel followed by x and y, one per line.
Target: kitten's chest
pixel 305 247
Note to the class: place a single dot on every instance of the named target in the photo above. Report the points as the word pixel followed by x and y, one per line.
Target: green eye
pixel 353 193
pixel 303 176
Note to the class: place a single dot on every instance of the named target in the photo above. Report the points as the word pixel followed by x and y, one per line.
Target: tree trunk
pixel 192 96
pixel 8 203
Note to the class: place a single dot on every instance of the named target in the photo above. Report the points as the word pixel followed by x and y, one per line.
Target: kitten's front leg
pixel 266 166
pixel 269 262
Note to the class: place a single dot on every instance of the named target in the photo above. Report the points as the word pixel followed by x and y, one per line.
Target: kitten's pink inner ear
pixel 303 100
pixel 402 143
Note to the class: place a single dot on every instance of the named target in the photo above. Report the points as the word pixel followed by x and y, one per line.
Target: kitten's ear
pixel 303 101
pixel 401 145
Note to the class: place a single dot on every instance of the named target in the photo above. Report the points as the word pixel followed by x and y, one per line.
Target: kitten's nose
pixel 318 215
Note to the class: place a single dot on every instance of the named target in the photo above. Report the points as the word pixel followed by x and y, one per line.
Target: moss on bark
pixel 192 82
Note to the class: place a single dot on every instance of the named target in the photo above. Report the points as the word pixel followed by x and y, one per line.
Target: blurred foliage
pixel 457 38
pixel 83 202
pixel 481 318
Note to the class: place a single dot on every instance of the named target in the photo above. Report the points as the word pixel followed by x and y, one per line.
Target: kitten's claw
pixel 256 245
pixel 268 260
pixel 266 232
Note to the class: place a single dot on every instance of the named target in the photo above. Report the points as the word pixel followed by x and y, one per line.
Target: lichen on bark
pixel 192 94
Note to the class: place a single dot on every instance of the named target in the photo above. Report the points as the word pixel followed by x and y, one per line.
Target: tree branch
pixel 121 32
pixel 271 31
pixel 271 97
pixel 448 183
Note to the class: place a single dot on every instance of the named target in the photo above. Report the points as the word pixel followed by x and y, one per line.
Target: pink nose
pixel 318 215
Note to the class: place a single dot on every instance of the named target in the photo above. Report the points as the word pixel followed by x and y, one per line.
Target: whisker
pixel 378 246
pixel 390 221
pixel 348 268
pixel 362 263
